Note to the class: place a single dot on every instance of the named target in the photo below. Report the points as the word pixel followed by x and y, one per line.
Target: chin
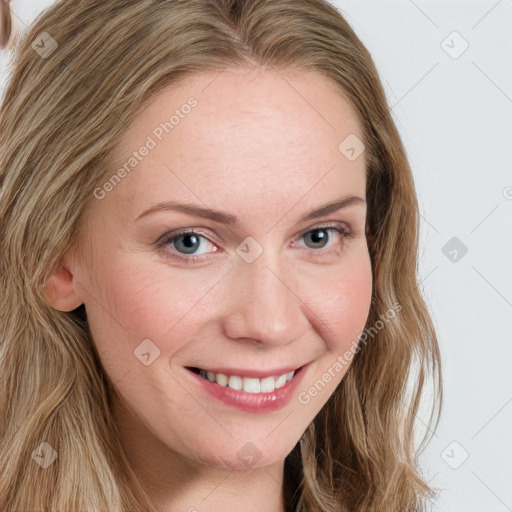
pixel 242 456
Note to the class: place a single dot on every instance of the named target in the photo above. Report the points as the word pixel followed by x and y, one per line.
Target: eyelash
pixel 169 238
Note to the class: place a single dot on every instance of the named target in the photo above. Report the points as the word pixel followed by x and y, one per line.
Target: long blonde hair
pixel 79 76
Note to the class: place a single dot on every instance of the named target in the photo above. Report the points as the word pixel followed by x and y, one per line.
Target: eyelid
pixel 343 229
pixel 169 235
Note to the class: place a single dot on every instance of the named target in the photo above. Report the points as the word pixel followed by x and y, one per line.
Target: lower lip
pixel 251 402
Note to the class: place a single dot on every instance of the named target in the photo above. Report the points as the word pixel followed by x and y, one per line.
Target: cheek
pixel 147 299
pixel 138 300
pixel 340 303
pixel 340 310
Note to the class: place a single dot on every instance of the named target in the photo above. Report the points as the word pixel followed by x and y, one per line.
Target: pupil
pixel 318 235
pixel 190 247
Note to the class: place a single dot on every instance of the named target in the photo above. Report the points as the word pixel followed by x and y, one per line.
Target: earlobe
pixel 60 291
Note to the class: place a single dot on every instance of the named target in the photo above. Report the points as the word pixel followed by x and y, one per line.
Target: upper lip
pixel 250 372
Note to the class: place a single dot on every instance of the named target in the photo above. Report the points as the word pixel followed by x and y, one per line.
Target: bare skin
pixel 263 146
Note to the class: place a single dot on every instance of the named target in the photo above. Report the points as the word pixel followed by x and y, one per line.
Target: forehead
pixel 239 132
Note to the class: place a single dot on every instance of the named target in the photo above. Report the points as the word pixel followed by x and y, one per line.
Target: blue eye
pixel 318 235
pixel 183 244
pixel 191 242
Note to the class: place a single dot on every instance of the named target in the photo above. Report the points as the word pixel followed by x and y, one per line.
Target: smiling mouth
pixel 247 384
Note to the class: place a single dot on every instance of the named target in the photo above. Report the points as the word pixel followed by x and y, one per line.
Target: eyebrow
pixel 230 219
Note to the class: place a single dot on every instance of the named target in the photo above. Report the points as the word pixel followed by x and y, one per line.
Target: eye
pixel 190 244
pixel 318 238
pixel 184 244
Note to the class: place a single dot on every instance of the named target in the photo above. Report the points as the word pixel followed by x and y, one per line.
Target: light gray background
pixel 454 112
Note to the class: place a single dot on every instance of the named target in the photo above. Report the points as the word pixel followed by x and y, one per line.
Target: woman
pixel 209 246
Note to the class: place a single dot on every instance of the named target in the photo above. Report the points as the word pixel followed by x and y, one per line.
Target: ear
pixel 370 238
pixel 367 232
pixel 60 290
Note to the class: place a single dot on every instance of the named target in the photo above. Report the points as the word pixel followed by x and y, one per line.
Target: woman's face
pixel 256 295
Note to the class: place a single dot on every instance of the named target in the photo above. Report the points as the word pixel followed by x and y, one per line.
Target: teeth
pixel 280 381
pixel 251 385
pixel 267 385
pixel 235 382
pixel 248 384
pixel 222 380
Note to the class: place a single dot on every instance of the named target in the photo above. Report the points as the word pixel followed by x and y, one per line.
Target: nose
pixel 264 305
